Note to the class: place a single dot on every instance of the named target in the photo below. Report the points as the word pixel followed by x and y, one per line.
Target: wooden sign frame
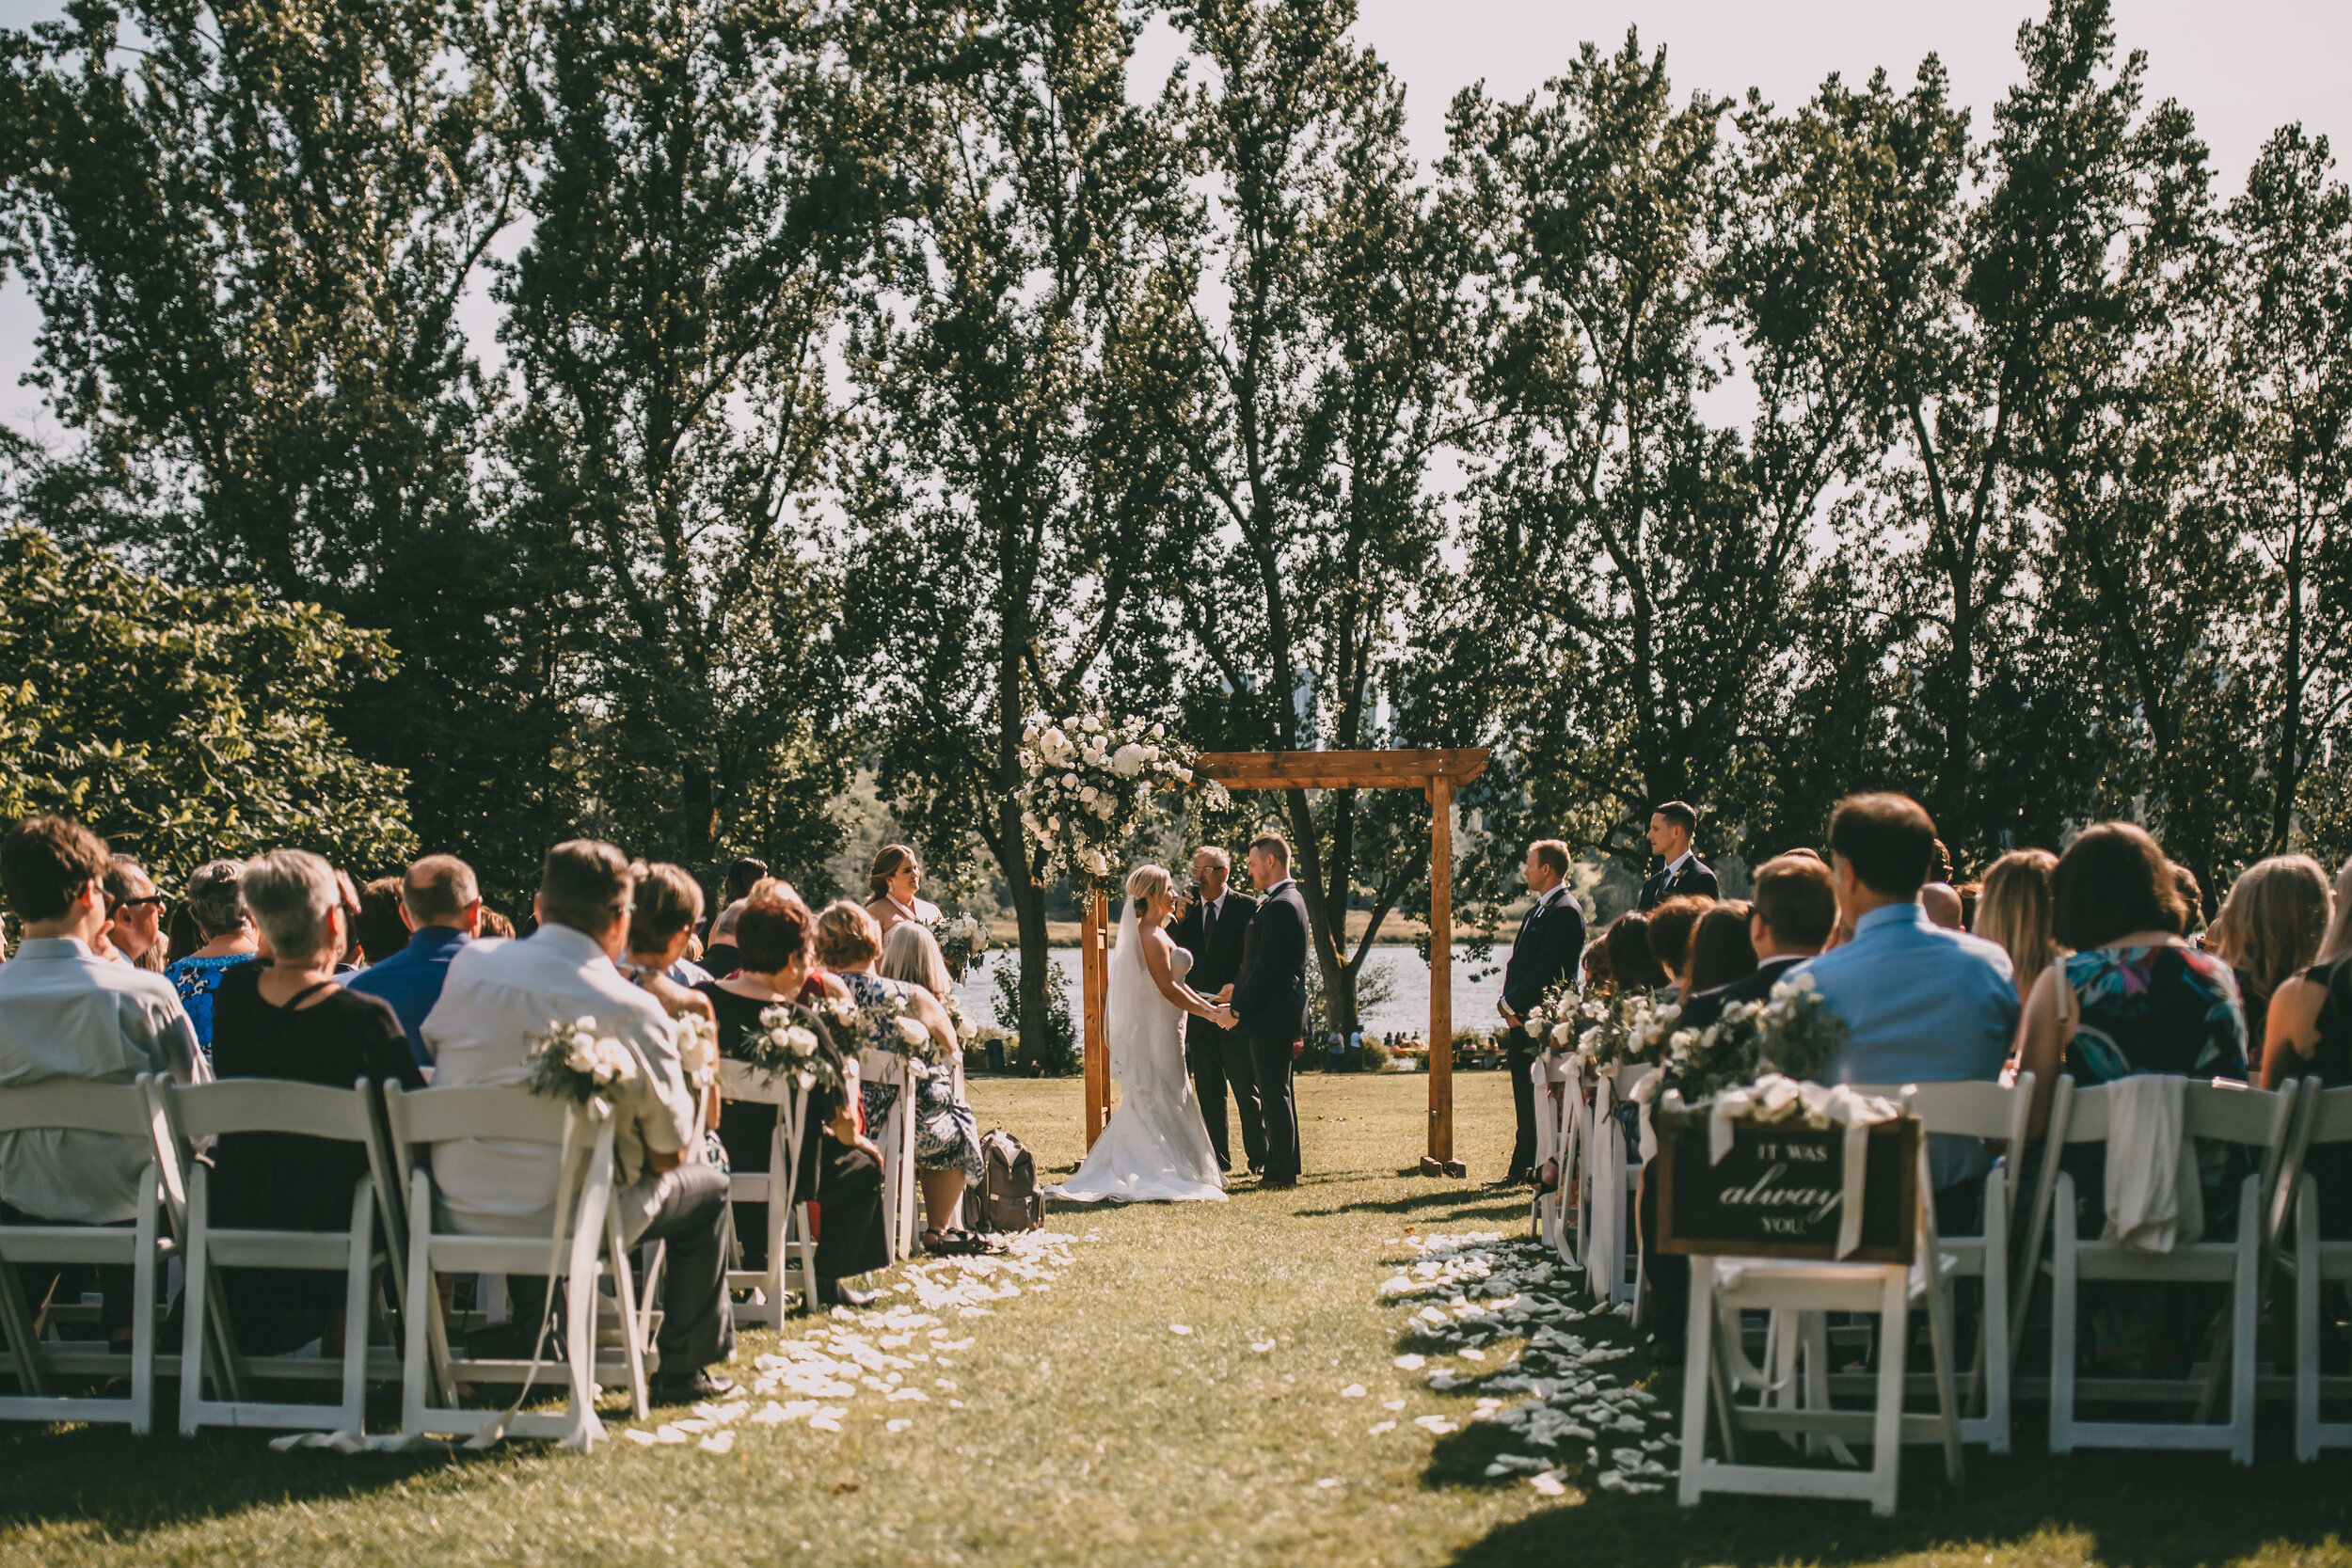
pixel 1436 774
pixel 1905 1130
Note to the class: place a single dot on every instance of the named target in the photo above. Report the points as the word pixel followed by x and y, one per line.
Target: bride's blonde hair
pixel 1147 881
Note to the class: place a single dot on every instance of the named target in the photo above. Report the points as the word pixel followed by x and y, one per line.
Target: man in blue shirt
pixel 441 903
pixel 1920 1003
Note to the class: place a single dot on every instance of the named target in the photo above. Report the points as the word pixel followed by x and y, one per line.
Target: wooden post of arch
pixel 1095 981
pixel 1436 774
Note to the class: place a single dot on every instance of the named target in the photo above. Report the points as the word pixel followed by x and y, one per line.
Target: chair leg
pixel 357 1276
pixel 195 1296
pixel 632 1325
pixel 1886 1463
pixel 2063 1287
pixel 2248 1310
pixel 17 1322
pixel 1698 1359
pixel 142 1313
pixel 2307 1291
pixel 1993 1348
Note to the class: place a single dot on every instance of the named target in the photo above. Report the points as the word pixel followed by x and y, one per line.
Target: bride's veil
pixel 1126 995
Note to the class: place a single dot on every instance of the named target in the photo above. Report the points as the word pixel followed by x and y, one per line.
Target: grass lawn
pixel 1092 1433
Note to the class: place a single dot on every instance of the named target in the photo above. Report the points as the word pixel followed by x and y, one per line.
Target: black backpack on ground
pixel 1006 1198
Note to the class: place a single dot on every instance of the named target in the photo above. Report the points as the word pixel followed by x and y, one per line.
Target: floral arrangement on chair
pixel 782 1047
pixel 698 1049
pixel 904 1034
pixel 1087 781
pixel 571 1061
pixel 1791 1033
pixel 962 940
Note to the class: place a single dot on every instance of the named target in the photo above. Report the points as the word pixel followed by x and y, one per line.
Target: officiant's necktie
pixel 1208 921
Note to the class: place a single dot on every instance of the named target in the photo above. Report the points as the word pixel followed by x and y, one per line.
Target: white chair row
pixel 393 1227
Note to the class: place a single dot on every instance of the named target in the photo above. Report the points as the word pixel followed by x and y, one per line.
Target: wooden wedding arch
pixel 1436 774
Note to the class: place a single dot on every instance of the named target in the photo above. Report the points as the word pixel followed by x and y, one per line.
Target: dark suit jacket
pixel 1270 992
pixel 1216 960
pixel 1694 879
pixel 1546 951
pixel 1707 1005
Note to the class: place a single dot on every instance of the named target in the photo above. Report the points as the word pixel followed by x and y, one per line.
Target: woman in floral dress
pixel 891 1015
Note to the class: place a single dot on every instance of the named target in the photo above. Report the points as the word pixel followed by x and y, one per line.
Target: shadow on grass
pixel 1507 1210
pixel 2149 1510
pixel 53 1475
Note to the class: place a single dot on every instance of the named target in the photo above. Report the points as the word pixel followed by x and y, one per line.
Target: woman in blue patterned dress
pixel 888 1012
pixel 215 901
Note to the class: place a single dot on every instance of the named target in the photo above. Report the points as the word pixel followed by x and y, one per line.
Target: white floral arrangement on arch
pixel 1087 781
pixel 571 1061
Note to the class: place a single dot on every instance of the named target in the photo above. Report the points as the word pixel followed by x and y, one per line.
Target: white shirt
pixel 497 994
pixel 66 1013
pixel 1676 866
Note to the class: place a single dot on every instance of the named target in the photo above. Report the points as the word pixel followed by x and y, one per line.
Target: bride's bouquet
pixel 1088 780
pixel 962 940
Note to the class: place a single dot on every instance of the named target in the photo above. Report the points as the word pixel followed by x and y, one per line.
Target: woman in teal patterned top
pixel 215 901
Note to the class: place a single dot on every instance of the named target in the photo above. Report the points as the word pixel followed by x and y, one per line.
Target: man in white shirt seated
pixel 500 992
pixel 65 1012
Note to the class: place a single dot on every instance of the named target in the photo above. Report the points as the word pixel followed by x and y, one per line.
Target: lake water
pixel 1406 1008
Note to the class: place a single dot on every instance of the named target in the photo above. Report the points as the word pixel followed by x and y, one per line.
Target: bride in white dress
pixel 1156 1149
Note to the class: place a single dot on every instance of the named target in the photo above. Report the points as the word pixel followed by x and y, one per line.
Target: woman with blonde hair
pixel 2269 929
pixel 2309 1034
pixel 1156 1149
pixel 2014 911
pixel 896 883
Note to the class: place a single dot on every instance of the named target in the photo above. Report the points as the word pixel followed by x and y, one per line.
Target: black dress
pixel 2331 1165
pixel 841 1178
pixel 288 1181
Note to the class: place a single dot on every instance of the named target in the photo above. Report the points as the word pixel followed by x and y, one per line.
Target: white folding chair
pixel 1796 1292
pixel 895 1139
pixel 2313 1265
pixel 592 1252
pixel 791 1238
pixel 2218 1112
pixel 1613 1256
pixel 42 1369
pixel 1979 1110
pixel 1558 1122
pixel 270 1105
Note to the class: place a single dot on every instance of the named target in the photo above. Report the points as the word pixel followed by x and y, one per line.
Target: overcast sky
pixel 2243 67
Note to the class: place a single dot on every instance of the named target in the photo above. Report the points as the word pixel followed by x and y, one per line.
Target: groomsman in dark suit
pixel 1549 946
pixel 1213 927
pixel 1671 829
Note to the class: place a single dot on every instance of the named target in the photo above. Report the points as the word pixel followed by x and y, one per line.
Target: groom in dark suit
pixel 1672 826
pixel 1269 1002
pixel 1213 927
pixel 1549 947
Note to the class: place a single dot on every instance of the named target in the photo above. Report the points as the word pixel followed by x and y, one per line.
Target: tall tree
pixel 1004 490
pixel 1323 334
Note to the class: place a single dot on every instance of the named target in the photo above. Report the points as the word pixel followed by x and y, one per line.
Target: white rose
pixel 911 1031
pixel 1563 1034
pixel 1129 760
pixel 1186 774
pixel 1088 794
pixel 1103 807
pixel 801 1040
pixel 1096 757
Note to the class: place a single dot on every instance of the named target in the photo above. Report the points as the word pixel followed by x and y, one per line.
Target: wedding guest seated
pixel 218 908
pixel 2308 1034
pixel 67 1013
pixel 1942 902
pixel 440 908
pixel 746 873
pixel 839 1166
pixel 378 932
pixel 1633 967
pixel 135 916
pixel 2015 914
pixel 2138 997
pixel 288 1019
pixel 496 995
pixel 1598 980
pixel 1722 956
pixel 947 1134
pixel 1670 927
pixel 848 943
pixel 495 924
pixel 1795 907
pixel 2192 899
pixel 2269 930
pixel 1920 1003
pixel 347 893
pixel 897 880
pixel 722 957
pixel 669 907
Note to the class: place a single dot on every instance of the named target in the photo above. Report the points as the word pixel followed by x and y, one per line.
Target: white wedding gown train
pixel 1156 1149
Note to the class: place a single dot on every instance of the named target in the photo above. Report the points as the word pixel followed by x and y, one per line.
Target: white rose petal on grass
pixel 1437 1425
pixel 1549 1483
pixel 1262 1346
pixel 667 1434
pixel 1327 1482
pixel 1179 1329
pixel 1353 1392
pixel 718 1442
pixel 643 1439
pixel 899 1425
pixel 1411 1362
pixel 1471 1354
pixel 1392 1404
pixel 1379 1427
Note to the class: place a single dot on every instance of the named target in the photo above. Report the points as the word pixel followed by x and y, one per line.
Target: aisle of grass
pixel 1092 1433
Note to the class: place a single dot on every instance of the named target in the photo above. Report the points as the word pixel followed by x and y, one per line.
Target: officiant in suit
pixel 1268 1008
pixel 1545 952
pixel 1214 927
pixel 1672 826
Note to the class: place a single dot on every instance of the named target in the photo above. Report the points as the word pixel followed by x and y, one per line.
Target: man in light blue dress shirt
pixel 1920 1003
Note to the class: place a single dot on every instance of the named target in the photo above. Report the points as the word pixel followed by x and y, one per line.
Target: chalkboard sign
pixel 1777 1192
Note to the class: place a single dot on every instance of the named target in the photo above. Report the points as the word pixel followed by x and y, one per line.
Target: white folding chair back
pixel 1988 1111
pixel 1558 1108
pixel 1612 1255
pixel 790 1233
pixel 270 1105
pixel 592 1252
pixel 895 1139
pixel 1796 1293
pixel 42 1370
pixel 2255 1119
pixel 2313 1263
